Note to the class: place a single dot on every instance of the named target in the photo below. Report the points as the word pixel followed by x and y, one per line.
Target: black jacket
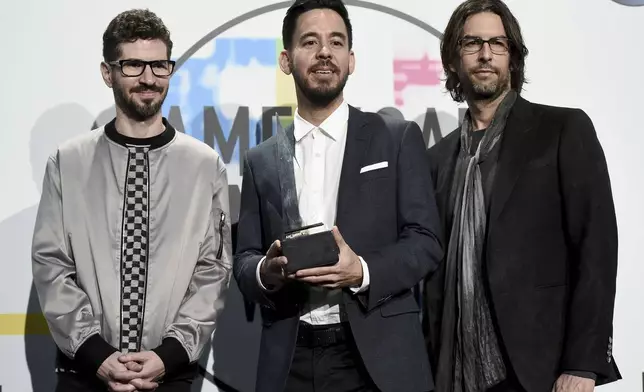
pixel 551 248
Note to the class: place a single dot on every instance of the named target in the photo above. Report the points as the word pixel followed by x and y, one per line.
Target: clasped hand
pixel 132 372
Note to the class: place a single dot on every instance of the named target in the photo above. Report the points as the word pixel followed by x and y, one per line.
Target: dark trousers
pixel 74 382
pixel 326 359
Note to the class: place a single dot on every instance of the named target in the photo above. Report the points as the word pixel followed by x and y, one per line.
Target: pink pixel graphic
pixel 421 72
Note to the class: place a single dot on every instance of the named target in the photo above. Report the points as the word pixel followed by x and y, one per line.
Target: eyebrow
pixel 137 59
pixel 316 35
pixel 476 36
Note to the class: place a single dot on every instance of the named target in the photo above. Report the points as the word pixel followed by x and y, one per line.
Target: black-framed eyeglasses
pixel 498 45
pixel 134 67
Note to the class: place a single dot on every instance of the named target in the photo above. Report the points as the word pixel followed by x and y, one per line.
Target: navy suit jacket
pixel 387 216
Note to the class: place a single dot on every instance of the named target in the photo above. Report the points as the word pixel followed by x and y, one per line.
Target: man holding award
pixel 338 224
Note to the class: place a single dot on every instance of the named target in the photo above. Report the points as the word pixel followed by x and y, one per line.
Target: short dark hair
pixel 301 6
pixel 130 26
pixel 453 34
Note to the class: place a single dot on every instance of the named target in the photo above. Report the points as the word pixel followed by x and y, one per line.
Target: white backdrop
pixel 583 53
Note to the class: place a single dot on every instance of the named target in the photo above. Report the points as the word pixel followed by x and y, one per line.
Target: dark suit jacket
pixel 387 216
pixel 551 249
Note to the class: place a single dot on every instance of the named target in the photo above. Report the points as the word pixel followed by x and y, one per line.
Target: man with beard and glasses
pixel 131 249
pixel 524 298
pixel 353 325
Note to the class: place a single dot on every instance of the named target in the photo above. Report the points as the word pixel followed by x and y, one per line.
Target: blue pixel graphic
pixel 195 84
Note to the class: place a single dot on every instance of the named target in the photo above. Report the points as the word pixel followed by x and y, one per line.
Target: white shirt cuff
pixel 365 278
pixel 258 275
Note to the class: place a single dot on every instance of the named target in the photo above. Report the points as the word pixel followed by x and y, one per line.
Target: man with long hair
pixel 524 298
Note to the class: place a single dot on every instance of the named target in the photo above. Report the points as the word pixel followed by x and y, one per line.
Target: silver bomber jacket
pixel 76 251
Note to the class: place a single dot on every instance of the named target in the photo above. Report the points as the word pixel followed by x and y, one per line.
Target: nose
pixel 324 52
pixel 147 77
pixel 485 54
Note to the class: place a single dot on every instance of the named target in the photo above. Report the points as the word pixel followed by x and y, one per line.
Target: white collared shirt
pixel 319 152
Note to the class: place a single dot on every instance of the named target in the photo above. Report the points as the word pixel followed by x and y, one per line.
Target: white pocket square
pixel 375 166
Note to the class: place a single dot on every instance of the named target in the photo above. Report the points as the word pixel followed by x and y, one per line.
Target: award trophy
pixel 307 246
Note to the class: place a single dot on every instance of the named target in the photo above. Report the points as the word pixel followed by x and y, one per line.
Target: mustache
pixel 324 64
pixel 147 88
pixel 485 67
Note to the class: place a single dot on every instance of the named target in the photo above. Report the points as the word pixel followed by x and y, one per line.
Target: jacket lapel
pixel 518 137
pixel 357 145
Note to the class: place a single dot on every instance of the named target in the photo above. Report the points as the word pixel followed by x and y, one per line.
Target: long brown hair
pixel 454 31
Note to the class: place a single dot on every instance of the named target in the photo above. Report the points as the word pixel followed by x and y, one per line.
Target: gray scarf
pixel 470 358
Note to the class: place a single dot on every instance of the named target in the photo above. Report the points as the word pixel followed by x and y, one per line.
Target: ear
pixel 106 72
pixel 352 62
pixel 285 65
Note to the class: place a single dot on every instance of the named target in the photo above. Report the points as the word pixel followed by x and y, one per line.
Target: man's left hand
pixel 570 383
pixel 347 272
pixel 144 376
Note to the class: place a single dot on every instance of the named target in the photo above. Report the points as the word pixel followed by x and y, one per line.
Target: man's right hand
pixel 272 272
pixel 107 370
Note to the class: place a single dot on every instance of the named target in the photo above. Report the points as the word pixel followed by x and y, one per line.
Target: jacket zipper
pixel 71 250
pixel 222 223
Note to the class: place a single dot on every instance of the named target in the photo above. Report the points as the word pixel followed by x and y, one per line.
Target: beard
pixel 135 110
pixel 485 90
pixel 325 92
